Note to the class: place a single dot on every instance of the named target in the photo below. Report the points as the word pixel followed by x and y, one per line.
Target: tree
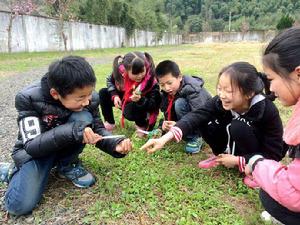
pixel 285 22
pixel 17 8
pixel 95 11
pixel 63 10
pixel 194 24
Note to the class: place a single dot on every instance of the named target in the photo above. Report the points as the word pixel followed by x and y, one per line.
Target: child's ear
pixel 54 94
pixel 180 77
pixel 251 95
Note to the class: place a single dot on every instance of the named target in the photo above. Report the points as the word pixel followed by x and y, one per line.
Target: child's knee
pixel 16 205
pixel 81 116
pixel 104 94
pixel 181 107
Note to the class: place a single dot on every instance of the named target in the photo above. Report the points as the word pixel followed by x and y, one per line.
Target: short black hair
pixel 166 67
pixel 69 73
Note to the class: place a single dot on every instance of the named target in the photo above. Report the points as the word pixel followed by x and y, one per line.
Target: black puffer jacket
pixel 191 89
pixel 43 127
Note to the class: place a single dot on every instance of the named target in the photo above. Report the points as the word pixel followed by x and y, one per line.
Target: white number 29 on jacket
pixel 29 128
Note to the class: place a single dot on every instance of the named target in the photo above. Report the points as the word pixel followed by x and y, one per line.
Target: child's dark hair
pixel 69 73
pixel 247 79
pixel 166 67
pixel 134 61
pixel 282 54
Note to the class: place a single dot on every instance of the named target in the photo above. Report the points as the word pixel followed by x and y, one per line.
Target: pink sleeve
pixel 272 177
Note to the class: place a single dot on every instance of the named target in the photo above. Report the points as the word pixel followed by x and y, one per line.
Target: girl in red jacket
pixel 280 184
pixel 132 87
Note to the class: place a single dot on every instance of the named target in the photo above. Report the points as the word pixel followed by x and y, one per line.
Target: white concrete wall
pixel 257 36
pixel 33 34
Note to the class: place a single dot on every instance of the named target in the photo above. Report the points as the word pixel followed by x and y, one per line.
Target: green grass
pixel 165 187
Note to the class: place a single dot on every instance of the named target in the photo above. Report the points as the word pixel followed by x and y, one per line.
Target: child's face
pixel 287 90
pixel 170 84
pixel 136 77
pixel 231 96
pixel 75 101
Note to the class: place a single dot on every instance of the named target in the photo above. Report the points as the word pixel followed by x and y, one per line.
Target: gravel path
pixel 8 134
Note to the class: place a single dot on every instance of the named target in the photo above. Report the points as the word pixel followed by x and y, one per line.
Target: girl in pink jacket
pixel 280 184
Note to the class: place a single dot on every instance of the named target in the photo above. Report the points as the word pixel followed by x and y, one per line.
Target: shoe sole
pixel 62 177
pixel 194 152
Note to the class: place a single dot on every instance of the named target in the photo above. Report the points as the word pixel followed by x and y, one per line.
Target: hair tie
pixel 122 69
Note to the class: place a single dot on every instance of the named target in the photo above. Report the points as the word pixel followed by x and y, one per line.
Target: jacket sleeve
pixel 272 130
pixel 197 98
pixel 151 101
pixel 195 119
pixel 36 140
pixel 107 145
pixel 55 139
pixel 273 177
pixel 111 87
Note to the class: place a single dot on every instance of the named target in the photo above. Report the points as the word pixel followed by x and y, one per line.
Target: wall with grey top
pixel 34 34
pixel 206 37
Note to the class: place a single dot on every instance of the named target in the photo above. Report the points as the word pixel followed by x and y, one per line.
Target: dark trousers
pixel 132 111
pixel 106 105
pixel 182 107
pixel 28 184
pixel 278 211
pixel 215 134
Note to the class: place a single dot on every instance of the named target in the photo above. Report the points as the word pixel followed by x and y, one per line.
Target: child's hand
pixel 117 102
pixel 89 137
pixel 135 97
pixel 167 125
pixel 247 170
pixel 124 146
pixel 227 160
pixel 152 145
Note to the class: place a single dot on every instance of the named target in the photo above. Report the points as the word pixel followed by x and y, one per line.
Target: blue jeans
pixel 182 107
pixel 27 185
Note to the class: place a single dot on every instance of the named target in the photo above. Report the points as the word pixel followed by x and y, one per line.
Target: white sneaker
pixel 265 216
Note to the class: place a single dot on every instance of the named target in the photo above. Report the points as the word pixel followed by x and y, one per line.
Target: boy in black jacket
pixel 56 118
pixel 180 95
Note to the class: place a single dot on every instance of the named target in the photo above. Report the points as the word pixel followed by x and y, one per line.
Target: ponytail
pixel 263 77
pixel 116 72
pixel 151 63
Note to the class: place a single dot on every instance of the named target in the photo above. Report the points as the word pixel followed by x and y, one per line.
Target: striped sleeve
pixel 242 164
pixel 177 133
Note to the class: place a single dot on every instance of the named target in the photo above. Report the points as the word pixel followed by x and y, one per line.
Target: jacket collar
pixel 46 91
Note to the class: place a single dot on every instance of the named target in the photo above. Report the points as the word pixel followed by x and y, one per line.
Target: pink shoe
pixel 108 126
pixel 250 182
pixel 208 163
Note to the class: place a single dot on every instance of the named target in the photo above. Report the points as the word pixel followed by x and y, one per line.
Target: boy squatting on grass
pixel 180 95
pixel 57 117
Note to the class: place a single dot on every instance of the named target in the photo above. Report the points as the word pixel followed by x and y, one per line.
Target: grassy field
pixel 165 187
